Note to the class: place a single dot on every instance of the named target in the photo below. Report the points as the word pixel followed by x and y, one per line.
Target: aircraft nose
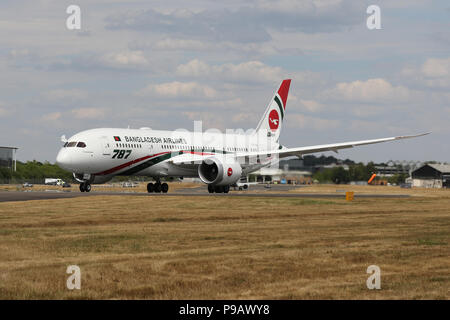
pixel 63 159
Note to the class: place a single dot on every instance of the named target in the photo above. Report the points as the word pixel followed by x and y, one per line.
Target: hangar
pixel 8 157
pixel 431 176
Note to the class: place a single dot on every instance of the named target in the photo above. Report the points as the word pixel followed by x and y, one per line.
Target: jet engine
pixel 217 172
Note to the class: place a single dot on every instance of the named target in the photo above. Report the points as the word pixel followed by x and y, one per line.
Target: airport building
pixel 8 157
pixel 431 176
pixel 389 171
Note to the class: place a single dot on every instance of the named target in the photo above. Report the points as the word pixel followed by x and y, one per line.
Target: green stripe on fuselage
pixel 146 165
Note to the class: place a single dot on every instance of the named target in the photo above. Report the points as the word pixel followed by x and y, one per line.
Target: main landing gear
pixel 157 187
pixel 218 189
pixel 85 187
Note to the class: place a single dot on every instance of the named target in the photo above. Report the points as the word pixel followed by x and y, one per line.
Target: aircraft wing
pixel 190 158
pixel 288 152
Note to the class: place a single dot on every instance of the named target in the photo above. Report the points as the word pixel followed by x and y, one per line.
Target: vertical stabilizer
pixel 272 120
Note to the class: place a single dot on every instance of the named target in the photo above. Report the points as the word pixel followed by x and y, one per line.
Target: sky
pixel 166 64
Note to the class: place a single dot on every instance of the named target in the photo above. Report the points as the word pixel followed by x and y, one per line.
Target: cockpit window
pixel 81 145
pixel 71 144
pixel 65 144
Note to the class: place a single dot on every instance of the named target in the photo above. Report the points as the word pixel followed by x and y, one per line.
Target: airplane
pixel 219 159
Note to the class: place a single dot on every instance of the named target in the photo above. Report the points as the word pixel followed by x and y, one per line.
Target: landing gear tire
pixel 210 188
pixel 226 189
pixel 218 189
pixel 157 187
pixel 164 188
pixel 150 187
pixel 85 187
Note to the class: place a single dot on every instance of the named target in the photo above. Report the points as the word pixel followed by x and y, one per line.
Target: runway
pixel 9 196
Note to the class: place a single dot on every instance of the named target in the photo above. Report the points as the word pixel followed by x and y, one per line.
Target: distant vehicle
pixel 66 185
pixel 53 182
pixel 129 185
pixel 50 181
pixel 267 186
pixel 27 185
pixel 243 185
pixel 406 185
pixel 283 181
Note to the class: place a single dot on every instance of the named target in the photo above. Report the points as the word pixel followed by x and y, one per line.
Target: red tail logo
pixel 274 120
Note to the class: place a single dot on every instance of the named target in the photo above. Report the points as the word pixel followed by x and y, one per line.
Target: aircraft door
pixel 106 146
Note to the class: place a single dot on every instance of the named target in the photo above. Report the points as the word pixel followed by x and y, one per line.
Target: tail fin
pixel 272 120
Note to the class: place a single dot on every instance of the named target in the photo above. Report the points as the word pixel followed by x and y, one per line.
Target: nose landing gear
pixel 85 187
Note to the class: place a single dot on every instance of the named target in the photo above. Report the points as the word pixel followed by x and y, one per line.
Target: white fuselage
pixel 108 152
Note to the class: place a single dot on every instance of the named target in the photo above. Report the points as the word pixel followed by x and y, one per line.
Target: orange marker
pixel 371 178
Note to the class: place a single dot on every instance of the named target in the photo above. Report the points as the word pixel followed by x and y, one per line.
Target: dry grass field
pixel 217 247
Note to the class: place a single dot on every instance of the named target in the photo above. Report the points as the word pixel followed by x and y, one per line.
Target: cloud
pixel 433 73
pixel 65 94
pixel 311 105
pixel 170 44
pixel 308 122
pixel 3 112
pixel 246 24
pixel 178 89
pixel 371 90
pixel 133 60
pixel 244 118
pixel 307 7
pixel 251 71
pixel 209 120
pixel 88 113
pixel 436 68
pixel 124 59
pixel 50 117
pixel 180 44
pixel 209 25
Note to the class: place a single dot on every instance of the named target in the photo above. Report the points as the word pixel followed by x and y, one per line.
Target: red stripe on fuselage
pixel 127 164
pixel 112 170
pixel 198 153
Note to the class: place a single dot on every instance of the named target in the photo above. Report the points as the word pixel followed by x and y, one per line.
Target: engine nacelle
pixel 218 172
